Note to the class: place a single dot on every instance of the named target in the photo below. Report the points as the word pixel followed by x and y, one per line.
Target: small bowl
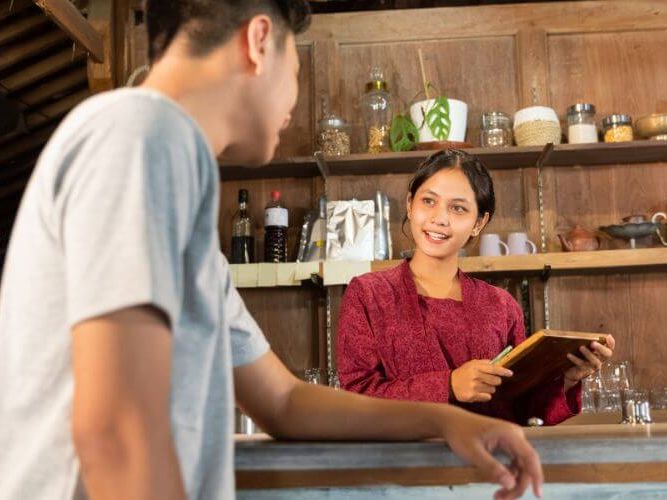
pixel 652 125
pixel 630 230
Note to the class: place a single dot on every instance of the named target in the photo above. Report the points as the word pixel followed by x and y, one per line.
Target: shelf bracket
pixel 317 280
pixel 545 274
pixel 545 154
pixel 322 165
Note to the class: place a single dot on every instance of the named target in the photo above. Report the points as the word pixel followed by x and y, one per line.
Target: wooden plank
pixel 463 22
pixel 21 27
pixel 41 69
pixel 54 87
pixel 297 139
pixel 602 261
pixel 658 416
pixel 564 155
pixel 533 71
pixel 58 109
pixel 34 141
pixel 68 17
pixel 443 476
pixel 17 6
pixel 101 75
pixel 16 54
pixel 291 336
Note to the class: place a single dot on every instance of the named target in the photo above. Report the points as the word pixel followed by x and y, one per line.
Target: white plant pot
pixel 458 115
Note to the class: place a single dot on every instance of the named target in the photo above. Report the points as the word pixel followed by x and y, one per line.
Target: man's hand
pixel 120 423
pixel 474 438
pixel 476 381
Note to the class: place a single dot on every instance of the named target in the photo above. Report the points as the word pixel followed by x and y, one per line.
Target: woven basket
pixel 537 133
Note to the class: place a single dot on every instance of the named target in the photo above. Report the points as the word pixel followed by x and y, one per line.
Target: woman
pixel 426 331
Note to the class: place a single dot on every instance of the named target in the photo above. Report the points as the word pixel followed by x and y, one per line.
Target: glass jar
pixel 376 109
pixel 617 128
pixel 581 128
pixel 333 137
pixel 496 130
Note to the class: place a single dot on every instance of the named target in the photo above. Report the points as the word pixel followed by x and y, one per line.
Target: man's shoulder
pixel 136 112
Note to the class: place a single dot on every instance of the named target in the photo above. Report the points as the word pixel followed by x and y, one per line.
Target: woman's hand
pixel 592 361
pixel 476 380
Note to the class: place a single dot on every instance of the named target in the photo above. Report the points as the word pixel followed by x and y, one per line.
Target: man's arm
pixel 121 419
pixel 288 408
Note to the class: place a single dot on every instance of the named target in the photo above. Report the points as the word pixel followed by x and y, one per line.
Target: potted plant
pixel 429 120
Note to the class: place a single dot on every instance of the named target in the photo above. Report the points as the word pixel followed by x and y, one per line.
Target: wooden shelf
pixel 494 158
pixel 602 261
pixel 560 263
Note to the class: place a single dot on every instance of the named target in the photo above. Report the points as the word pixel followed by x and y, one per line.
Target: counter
pixel 628 459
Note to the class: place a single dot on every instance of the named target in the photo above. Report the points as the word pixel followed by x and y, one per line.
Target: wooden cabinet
pixel 501 57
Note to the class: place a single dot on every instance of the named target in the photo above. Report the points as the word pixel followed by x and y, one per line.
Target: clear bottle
pixel 496 130
pixel 333 136
pixel 376 109
pixel 276 222
pixel 617 128
pixel 243 241
pixel 581 128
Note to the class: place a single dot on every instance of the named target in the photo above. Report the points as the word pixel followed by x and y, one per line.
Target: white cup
pixel 492 246
pixel 519 244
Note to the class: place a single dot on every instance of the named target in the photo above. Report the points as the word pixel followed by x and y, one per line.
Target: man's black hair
pixel 210 23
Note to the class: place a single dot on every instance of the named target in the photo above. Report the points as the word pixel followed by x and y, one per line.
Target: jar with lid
pixel 333 134
pixel 496 130
pixel 617 128
pixel 376 109
pixel 581 128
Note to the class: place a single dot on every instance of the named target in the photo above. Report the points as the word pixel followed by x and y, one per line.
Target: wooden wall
pixel 494 58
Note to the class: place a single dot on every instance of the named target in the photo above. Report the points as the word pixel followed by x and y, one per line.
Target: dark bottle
pixel 243 242
pixel 275 230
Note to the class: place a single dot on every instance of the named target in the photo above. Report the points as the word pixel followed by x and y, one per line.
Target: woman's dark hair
pixel 477 174
pixel 210 23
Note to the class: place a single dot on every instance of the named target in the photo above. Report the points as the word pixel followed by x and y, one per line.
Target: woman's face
pixel 443 214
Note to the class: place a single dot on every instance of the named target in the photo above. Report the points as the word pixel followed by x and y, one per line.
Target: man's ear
pixel 258 34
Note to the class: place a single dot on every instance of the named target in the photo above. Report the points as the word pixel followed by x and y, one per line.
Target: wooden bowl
pixel 652 125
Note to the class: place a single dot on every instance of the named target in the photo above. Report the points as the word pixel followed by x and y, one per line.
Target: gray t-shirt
pixel 121 210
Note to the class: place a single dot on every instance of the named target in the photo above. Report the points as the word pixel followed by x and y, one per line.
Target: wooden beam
pixel 68 17
pixel 58 109
pixel 32 143
pixel 16 7
pixel 18 29
pixel 41 69
pixel 22 51
pixel 54 87
pixel 101 17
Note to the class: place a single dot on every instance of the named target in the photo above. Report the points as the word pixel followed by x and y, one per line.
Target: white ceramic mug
pixel 492 246
pixel 519 244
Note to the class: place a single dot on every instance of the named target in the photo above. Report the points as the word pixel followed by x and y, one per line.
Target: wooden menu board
pixel 542 357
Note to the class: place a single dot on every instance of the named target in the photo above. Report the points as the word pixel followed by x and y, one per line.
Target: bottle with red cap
pixel 276 222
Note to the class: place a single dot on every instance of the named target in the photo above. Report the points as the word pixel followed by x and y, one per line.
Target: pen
pixel 502 354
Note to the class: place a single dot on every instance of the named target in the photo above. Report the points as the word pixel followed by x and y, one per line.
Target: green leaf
pixel 437 119
pixel 403 134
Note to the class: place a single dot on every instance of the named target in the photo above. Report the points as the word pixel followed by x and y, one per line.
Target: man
pixel 118 321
